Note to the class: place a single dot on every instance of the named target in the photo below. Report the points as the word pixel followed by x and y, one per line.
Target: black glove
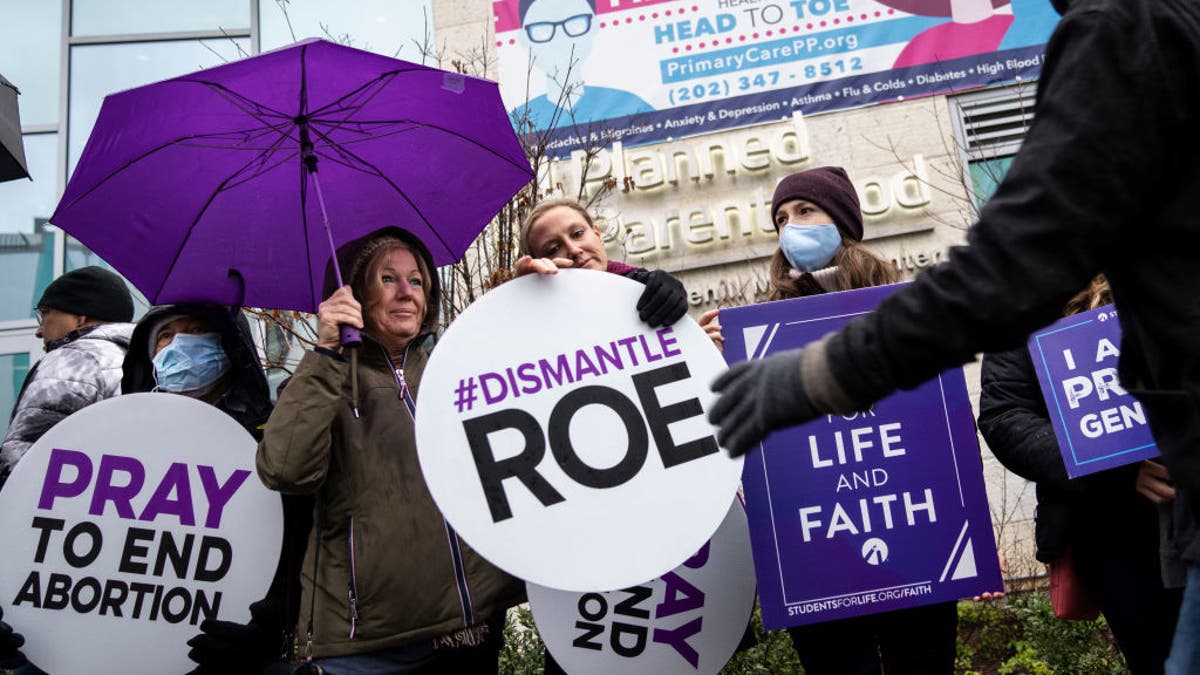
pixel 663 302
pixel 758 397
pixel 235 648
pixel 10 646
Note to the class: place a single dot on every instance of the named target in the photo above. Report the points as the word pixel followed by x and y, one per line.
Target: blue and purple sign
pixel 864 513
pixel 1098 424
pixel 589 72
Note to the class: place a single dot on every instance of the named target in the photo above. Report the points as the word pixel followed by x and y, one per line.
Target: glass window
pixel 98 70
pixel 30 35
pixel 122 17
pixel 986 175
pixel 13 368
pixel 26 249
pixel 387 27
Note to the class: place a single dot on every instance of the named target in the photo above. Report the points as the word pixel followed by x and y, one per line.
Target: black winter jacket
pixel 1016 425
pixel 247 401
pixel 1105 182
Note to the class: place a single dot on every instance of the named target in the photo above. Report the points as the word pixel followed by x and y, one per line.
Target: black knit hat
pixel 829 188
pixel 93 292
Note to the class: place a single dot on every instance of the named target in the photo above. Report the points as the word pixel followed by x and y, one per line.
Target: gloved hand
pixel 10 645
pixel 663 302
pixel 234 648
pixel 758 397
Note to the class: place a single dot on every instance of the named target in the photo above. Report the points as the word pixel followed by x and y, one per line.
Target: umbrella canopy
pixel 200 188
pixel 12 151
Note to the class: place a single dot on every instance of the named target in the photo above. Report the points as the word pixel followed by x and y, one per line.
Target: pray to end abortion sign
pixel 1097 423
pixel 127 525
pixel 566 441
pixel 869 512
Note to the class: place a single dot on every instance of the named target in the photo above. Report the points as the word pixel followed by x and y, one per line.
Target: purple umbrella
pixel 201 187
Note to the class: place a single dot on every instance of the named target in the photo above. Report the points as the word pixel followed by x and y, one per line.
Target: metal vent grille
pixel 992 123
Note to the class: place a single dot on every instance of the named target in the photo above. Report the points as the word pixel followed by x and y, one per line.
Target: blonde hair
pixel 540 210
pixel 364 277
pixel 1097 293
pixel 857 267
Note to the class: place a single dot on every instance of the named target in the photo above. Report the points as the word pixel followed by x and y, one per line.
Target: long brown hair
pixel 1097 293
pixel 857 267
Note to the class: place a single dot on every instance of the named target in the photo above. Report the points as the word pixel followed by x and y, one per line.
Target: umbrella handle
pixel 351 336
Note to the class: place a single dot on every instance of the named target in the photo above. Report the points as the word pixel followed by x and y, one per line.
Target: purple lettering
pixel 613 357
pixel 560 371
pixel 627 343
pixel 219 495
pixel 490 396
pixel 54 486
pixel 697 561
pixel 667 342
pixel 584 365
pixel 678 597
pixel 174 480
pixel 677 639
pixel 512 382
pixel 120 495
pixel 651 357
pixel 528 374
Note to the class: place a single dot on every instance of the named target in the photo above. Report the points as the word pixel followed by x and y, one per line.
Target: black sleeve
pixel 1098 155
pixel 1014 421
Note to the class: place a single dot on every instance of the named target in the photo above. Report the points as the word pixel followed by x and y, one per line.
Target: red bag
pixel 1067 595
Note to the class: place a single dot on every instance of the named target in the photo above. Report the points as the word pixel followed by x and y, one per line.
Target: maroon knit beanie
pixel 829 188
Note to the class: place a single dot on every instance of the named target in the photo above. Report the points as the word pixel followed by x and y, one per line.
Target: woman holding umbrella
pixel 388 587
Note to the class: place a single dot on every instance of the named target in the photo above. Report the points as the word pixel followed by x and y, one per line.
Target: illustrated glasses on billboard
pixel 573 26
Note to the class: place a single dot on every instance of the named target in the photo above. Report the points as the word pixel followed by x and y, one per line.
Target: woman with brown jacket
pixel 395 589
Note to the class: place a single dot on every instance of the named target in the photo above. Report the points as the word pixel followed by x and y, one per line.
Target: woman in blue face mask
pixel 820 225
pixel 817 215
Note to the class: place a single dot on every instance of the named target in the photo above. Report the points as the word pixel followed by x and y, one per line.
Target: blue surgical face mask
pixel 810 247
pixel 191 364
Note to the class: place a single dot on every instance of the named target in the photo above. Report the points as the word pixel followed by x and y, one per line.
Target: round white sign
pixel 567 441
pixel 689 621
pixel 125 526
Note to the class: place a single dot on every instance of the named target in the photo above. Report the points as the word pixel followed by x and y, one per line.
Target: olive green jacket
pixel 391 572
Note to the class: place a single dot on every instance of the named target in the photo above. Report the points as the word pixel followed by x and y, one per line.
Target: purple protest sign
pixel 863 513
pixel 1097 423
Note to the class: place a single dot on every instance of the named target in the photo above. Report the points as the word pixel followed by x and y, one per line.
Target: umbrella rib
pixel 261 161
pixel 246 135
pixel 234 98
pixel 363 135
pixel 436 127
pixel 134 160
pixel 374 88
pixel 391 74
pixel 304 170
pixel 348 163
pixel 395 187
pixel 200 214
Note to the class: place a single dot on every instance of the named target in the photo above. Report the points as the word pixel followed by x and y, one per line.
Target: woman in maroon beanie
pixel 819 221
pixel 817 216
